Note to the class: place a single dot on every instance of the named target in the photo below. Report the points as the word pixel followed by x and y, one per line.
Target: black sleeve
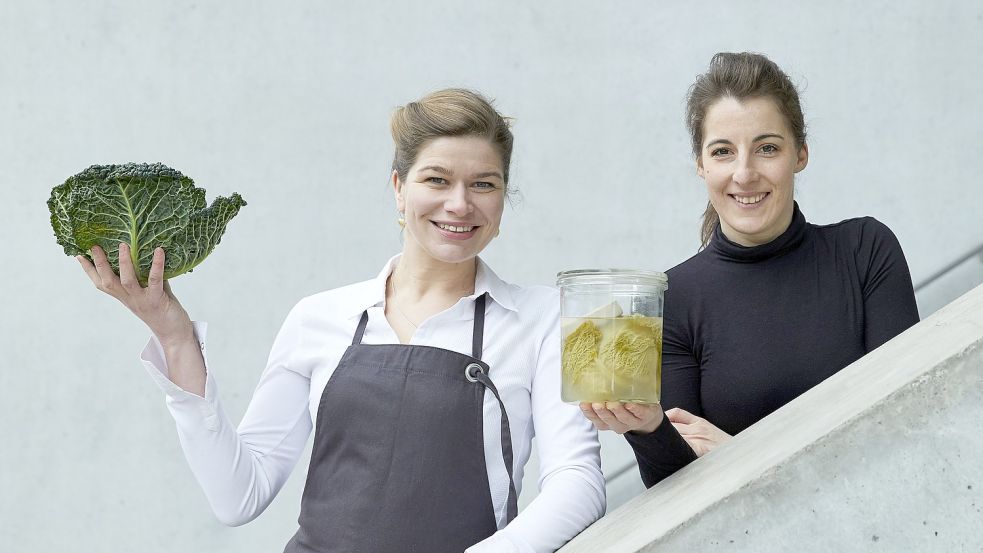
pixel 680 366
pixel 889 299
pixel 660 453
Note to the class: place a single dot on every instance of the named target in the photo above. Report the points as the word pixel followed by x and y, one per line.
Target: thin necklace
pixel 392 281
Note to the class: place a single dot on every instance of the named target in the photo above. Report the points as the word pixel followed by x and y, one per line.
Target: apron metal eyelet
pixel 472 370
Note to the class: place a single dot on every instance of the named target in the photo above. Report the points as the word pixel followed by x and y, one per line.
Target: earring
pixel 401 221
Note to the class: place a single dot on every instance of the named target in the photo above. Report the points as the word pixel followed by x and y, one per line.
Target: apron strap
pixel 357 339
pixel 477 335
pixel 476 372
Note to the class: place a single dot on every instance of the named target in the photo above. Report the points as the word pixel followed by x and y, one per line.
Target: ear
pixel 803 160
pixel 699 168
pixel 397 191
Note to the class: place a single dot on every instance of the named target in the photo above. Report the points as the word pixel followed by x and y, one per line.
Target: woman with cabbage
pixel 422 385
pixel 772 305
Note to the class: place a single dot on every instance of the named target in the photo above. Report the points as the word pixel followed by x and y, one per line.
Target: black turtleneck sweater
pixel 748 329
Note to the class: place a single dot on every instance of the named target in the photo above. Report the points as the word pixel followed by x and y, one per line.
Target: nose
pixel 458 200
pixel 744 172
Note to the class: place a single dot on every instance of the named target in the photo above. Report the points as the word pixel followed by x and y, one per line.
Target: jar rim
pixel 640 276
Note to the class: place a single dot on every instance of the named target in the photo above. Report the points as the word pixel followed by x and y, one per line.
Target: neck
pixel 418 274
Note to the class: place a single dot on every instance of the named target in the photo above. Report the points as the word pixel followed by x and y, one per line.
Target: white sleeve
pixel 241 470
pixel 571 484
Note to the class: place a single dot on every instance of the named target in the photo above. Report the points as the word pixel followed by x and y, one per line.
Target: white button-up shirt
pixel 241 470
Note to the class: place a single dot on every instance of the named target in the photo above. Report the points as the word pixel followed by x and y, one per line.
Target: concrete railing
pixel 884 455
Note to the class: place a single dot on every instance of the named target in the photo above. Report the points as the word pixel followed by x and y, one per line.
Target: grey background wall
pixel 287 103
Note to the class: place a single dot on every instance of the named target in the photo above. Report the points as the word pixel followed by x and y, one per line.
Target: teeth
pixel 746 200
pixel 455 229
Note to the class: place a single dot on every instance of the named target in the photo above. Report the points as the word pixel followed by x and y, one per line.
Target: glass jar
pixel 611 335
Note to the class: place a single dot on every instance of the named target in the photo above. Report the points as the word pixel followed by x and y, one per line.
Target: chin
pixel 756 233
pixel 749 228
pixel 452 254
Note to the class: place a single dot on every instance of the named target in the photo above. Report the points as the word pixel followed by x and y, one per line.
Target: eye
pixel 483 185
pixel 768 149
pixel 436 180
pixel 718 152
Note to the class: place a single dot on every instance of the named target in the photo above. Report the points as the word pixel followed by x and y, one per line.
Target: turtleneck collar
pixel 721 247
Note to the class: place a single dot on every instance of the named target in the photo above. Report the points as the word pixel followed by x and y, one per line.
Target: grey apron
pixel 399 459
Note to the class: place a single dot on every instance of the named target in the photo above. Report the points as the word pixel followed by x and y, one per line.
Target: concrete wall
pixel 288 104
pixel 882 456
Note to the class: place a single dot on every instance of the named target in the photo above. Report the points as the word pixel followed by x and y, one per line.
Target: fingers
pixel 588 410
pixel 681 416
pixel 616 417
pixel 640 410
pixel 623 414
pixel 90 269
pixel 155 280
pixel 108 281
pixel 701 429
pixel 623 417
pixel 608 418
pixel 683 429
pixel 694 430
pixel 127 275
pixel 686 423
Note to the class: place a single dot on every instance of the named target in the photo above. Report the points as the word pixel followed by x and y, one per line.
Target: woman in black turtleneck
pixel 772 305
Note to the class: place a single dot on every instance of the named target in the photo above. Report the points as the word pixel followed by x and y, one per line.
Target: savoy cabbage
pixel 144 205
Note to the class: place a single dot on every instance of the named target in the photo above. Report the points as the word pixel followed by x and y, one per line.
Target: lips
pixel 453 228
pixel 456 231
pixel 750 200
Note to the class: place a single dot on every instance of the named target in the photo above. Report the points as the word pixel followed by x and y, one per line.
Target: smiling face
pixel 748 160
pixel 452 198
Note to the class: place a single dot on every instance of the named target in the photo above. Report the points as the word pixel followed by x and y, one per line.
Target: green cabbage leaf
pixel 145 205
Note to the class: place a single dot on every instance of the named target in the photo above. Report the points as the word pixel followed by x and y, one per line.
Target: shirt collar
pixel 372 293
pixel 485 280
pixel 790 239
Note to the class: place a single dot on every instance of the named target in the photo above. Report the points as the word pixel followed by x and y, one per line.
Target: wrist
pixel 176 337
pixel 652 425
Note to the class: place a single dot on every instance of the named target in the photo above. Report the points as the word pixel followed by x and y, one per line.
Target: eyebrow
pixel 443 171
pixel 436 168
pixel 487 174
pixel 758 138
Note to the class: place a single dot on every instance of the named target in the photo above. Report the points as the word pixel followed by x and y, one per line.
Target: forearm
pixel 569 501
pixel 571 486
pixel 240 470
pixel 660 453
pixel 239 478
pixel 185 364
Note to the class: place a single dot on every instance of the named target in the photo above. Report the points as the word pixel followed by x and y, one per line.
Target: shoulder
pixel 535 294
pixel 525 300
pixel 534 316
pixel 535 301
pixel 337 301
pixel 862 235
pixel 691 272
pixel 692 286
pixel 858 228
